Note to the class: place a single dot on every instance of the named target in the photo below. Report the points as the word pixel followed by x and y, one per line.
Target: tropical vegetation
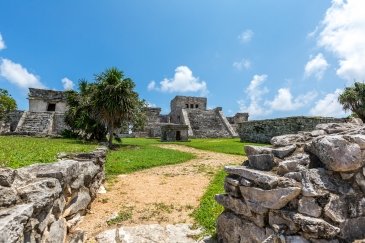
pixel 353 99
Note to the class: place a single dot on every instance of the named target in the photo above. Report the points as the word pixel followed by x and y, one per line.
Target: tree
pixel 353 98
pixel 7 103
pixel 105 105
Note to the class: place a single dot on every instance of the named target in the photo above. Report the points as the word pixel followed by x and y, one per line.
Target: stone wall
pixel 307 187
pixel 43 202
pixel 9 123
pixel 261 131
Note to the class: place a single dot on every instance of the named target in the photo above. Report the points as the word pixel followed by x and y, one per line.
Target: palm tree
pixel 353 98
pixel 114 100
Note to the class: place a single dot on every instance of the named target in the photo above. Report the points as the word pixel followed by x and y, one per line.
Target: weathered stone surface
pixel 309 206
pixel 261 161
pixel 232 190
pixel 265 179
pixel 295 239
pixel 239 207
pixel 335 209
pixel 283 152
pixel 316 228
pixel 316 133
pixel 13 221
pixel 353 229
pixel 287 166
pixel 359 139
pixel 278 218
pixel 41 192
pixel 230 228
pixel 232 181
pixel 58 231
pixel 336 153
pixel 8 196
pixel 87 171
pixel 6 176
pixel 273 199
pixel 360 180
pixel 254 150
pixel 79 202
pixel 286 140
pixel 336 127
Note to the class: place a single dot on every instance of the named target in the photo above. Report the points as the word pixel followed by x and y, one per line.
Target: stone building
pixel 45 116
pixel 174 132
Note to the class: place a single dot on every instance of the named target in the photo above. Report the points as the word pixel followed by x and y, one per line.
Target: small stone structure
pixel 307 187
pixel 174 132
pixel 42 100
pixel 261 131
pixel 43 202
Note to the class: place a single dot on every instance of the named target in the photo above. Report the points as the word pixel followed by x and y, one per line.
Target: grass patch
pixel 208 210
pixel 16 151
pixel 140 153
pixel 123 215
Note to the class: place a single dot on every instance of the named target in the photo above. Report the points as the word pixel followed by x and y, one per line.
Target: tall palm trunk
pixel 110 140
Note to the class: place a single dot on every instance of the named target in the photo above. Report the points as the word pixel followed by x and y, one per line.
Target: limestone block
pixel 280 218
pixel 294 175
pixel 336 153
pixel 254 150
pixel 336 127
pixel 286 140
pixel 86 173
pixel 232 190
pixel 265 179
pixel 359 139
pixel 360 180
pixel 295 239
pixel 232 181
pixel 272 199
pixel 58 231
pixel 309 206
pixel 287 166
pixel 13 221
pixel 261 161
pixel 353 229
pixel 79 202
pixel 6 176
pixel 335 209
pixel 283 152
pixel 316 133
pixel 8 196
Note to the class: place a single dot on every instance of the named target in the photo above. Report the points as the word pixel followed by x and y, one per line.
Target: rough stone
pixel 360 180
pixel 6 176
pixel 336 153
pixel 58 231
pixel 13 221
pixel 283 152
pixel 353 229
pixel 309 206
pixel 232 190
pixel 335 127
pixel 295 239
pixel 359 139
pixel 287 166
pixel 8 196
pixel 79 202
pixel 273 199
pixel 286 140
pixel 278 218
pixel 232 181
pixel 335 209
pixel 87 171
pixel 261 161
pixel 317 228
pixel 254 150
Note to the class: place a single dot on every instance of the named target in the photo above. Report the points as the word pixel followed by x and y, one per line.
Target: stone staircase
pixel 207 124
pixel 35 123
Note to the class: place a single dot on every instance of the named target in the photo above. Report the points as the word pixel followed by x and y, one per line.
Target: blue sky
pixel 269 58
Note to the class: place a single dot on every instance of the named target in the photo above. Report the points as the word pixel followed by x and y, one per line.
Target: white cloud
pixel 2 42
pixel 246 36
pixel 243 64
pixel 183 81
pixel 329 106
pixel 284 100
pixel 342 33
pixel 18 75
pixel 152 105
pixel 316 66
pixel 67 84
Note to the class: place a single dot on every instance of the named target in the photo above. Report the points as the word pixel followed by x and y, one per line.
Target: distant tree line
pixel 7 103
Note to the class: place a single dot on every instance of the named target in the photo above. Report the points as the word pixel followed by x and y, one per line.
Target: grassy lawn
pixel 16 152
pixel 209 210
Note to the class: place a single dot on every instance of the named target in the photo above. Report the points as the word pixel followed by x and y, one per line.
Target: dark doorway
pixel 178 135
pixel 51 107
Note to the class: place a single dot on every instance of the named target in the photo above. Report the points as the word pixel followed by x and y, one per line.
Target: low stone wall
pixel 43 202
pixel 261 131
pixel 10 121
pixel 307 187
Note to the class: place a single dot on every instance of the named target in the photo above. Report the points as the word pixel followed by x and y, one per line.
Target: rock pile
pixel 42 202
pixel 306 187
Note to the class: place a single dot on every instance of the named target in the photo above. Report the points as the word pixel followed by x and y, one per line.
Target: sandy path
pixel 164 195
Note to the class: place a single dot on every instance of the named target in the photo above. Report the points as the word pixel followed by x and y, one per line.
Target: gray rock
pixel 265 179
pixel 232 190
pixel 359 139
pixel 254 150
pixel 231 228
pixel 13 221
pixel 309 206
pixel 79 202
pixel 87 171
pixel 58 231
pixel 8 196
pixel 360 180
pixel 294 175
pixel 316 133
pixel 272 199
pixel 336 127
pixel 346 176
pixel 335 209
pixel 287 166
pixel 295 239
pixel 245 182
pixel 239 207
pixel 286 140
pixel 41 192
pixel 336 153
pixel 279 218
pixel 315 227
pixel 261 161
pixel 232 181
pixel 77 236
pixel 353 229
pixel 283 151
pixel 6 176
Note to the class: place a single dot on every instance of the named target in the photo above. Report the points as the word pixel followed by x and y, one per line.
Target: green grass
pixel 140 153
pixel 16 151
pixel 208 211
pixel 222 145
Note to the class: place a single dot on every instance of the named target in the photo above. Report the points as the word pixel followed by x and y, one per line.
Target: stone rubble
pixel 306 187
pixel 44 202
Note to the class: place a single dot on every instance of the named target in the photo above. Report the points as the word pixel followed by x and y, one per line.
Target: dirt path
pixel 163 195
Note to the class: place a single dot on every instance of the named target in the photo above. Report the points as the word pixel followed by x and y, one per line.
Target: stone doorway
pixel 51 107
pixel 178 136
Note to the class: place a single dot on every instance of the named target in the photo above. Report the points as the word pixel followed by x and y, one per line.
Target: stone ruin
pixel 45 116
pixel 174 132
pixel 193 112
pixel 44 202
pixel 306 187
